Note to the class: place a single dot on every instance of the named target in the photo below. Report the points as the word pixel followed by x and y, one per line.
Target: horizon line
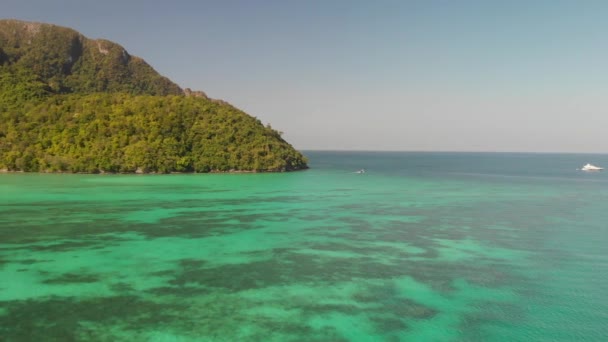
pixel 448 151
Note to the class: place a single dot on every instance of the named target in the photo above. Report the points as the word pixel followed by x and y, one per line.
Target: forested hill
pixel 72 104
pixel 65 61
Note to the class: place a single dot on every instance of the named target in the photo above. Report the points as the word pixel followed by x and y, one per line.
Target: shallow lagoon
pixel 423 246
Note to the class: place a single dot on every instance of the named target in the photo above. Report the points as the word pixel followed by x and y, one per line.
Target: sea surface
pixel 420 247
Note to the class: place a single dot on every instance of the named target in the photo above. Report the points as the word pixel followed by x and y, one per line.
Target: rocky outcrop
pixel 195 93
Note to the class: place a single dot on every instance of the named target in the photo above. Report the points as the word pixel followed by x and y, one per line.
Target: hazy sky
pixel 376 75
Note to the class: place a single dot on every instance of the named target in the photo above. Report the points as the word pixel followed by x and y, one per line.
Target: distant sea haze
pixel 419 247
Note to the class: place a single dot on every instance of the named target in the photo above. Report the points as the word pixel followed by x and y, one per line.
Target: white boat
pixel 360 171
pixel 589 167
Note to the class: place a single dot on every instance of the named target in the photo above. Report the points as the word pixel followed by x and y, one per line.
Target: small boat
pixel 360 171
pixel 589 167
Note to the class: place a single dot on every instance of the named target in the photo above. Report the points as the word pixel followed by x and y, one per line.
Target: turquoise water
pixel 421 247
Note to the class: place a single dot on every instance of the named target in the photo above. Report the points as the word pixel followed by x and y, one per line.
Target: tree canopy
pixel 70 104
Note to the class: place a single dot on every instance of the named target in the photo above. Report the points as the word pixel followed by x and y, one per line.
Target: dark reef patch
pixel 68 278
pixel 385 324
pixel 60 319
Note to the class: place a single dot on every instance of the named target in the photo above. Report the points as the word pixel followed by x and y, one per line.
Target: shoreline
pixel 6 171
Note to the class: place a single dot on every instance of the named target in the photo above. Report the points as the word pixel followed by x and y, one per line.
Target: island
pixel 78 105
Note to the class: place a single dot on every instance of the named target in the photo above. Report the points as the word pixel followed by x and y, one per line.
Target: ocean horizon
pixel 422 246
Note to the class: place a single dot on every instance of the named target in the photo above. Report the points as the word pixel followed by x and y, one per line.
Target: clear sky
pixel 376 75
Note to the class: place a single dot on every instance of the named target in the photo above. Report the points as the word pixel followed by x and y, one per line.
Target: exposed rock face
pixel 195 93
pixel 201 94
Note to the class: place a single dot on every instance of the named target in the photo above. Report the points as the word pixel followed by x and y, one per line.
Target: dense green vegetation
pixel 67 62
pixel 70 104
